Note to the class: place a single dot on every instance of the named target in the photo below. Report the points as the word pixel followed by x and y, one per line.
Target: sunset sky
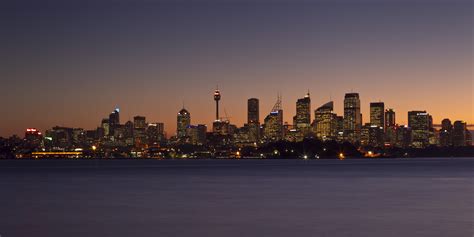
pixel 70 63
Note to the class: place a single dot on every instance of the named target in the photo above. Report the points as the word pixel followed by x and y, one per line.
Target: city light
pixel 140 138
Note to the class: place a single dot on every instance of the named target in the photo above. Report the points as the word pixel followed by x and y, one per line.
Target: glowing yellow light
pixel 94 148
pixel 56 153
pixel 341 156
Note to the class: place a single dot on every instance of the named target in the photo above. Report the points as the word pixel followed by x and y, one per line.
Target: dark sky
pixel 71 62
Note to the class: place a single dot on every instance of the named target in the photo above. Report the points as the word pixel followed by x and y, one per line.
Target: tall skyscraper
pixel 273 124
pixel 253 113
pixel 445 134
pixel 459 133
pixel 377 115
pixel 217 97
pixel 139 122
pixel 105 125
pixel 325 122
pixel 352 117
pixel 114 117
pixel 155 133
pixel 183 121
pixel 302 119
pixel 253 120
pixel 390 118
pixel 420 123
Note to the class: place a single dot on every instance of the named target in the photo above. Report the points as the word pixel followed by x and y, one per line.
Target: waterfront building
pixel 352 117
pixel 421 125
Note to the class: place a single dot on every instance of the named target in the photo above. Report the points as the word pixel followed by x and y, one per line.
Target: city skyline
pixel 70 64
pixel 288 116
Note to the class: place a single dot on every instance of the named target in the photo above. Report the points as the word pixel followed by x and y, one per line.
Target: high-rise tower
pixel 377 114
pixel 114 117
pixel 352 117
pixel 253 111
pixel 420 122
pixel 389 118
pixel 302 119
pixel 325 121
pixel 183 121
pixel 217 97
pixel 273 124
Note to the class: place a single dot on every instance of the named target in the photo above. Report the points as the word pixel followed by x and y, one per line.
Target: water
pixel 416 197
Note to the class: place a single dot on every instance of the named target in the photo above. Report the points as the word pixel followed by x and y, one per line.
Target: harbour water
pixel 380 197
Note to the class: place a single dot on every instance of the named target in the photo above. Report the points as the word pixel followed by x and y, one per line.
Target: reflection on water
pixel 418 197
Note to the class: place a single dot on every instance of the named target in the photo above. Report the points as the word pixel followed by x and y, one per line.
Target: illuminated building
pixel 128 132
pixel 273 124
pixel 221 127
pixel 391 135
pixel 390 118
pixel 420 123
pixel 302 119
pixel 183 121
pixel 140 138
pixel 459 133
pixel 113 123
pixel 105 125
pixel 291 134
pixel 352 117
pixel 253 112
pixel 155 133
pixel 242 136
pixel 390 128
pixel 114 117
pixel 78 137
pixel 34 138
pixel 372 135
pixel 404 136
pixel 445 134
pixel 252 128
pixel 197 134
pixel 59 139
pixel 139 122
pixel 325 122
pixel 377 115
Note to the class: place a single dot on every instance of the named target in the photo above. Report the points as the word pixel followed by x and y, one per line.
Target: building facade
pixel 352 117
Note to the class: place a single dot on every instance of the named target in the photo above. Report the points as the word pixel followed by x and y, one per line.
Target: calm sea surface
pixel 227 198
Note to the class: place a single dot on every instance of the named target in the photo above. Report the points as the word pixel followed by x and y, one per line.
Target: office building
pixel 253 112
pixel 390 118
pixel 273 124
pixel 377 114
pixel 420 123
pixel 325 122
pixel 139 122
pixel 302 119
pixel 459 133
pixel 352 117
pixel 183 121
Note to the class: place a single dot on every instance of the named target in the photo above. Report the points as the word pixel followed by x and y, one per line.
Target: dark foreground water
pixel 227 198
